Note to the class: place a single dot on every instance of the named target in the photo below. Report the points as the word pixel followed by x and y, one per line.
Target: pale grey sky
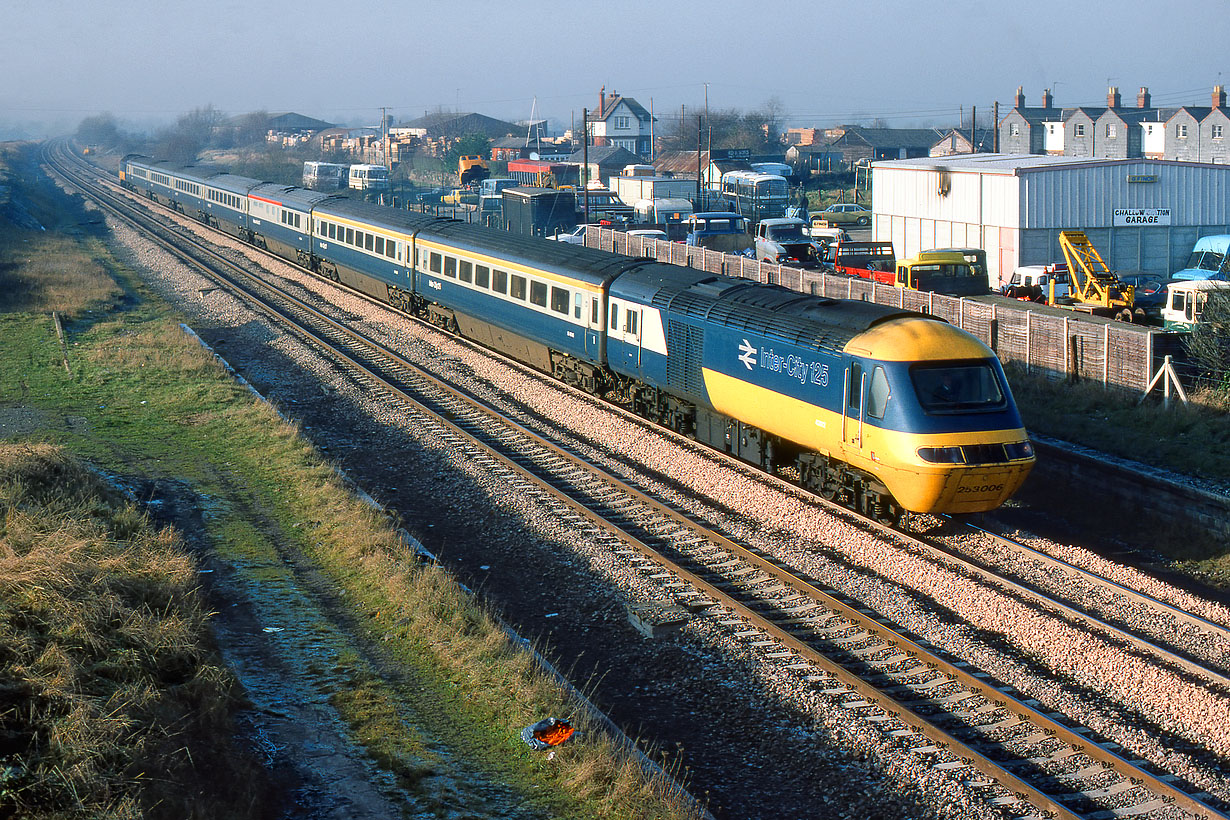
pixel 908 63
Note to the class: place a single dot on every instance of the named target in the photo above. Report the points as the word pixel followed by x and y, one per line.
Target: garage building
pixel 1141 214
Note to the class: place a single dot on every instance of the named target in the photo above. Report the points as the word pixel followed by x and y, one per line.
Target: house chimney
pixel 1142 99
pixel 1047 100
pixel 1020 96
pixel 1219 96
pixel 1112 98
pixel 601 100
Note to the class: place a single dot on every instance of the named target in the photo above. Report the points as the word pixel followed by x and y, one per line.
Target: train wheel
pixel 830 490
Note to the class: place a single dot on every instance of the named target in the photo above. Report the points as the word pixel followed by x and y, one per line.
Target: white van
pixel 369 178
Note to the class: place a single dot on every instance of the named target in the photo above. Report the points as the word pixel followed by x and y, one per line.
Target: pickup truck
pixel 784 242
pixel 1033 283
pixel 867 260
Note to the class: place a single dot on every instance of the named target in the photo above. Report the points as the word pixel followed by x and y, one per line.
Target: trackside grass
pixel 1193 439
pixel 427 682
pixel 111 692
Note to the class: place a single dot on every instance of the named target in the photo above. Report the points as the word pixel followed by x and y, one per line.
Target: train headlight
pixel 1020 449
pixel 941 455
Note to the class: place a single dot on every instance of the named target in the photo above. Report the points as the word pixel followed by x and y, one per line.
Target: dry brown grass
pixel 109 694
pixel 41 273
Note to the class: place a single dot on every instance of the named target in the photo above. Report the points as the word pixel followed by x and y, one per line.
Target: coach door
pixel 593 324
pixel 852 407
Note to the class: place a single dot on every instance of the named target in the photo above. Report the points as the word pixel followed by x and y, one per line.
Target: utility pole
pixel 585 161
pixel 973 128
pixel 995 136
pixel 700 133
pixel 651 143
pixel 384 128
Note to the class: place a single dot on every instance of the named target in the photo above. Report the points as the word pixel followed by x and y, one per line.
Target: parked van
pixel 493 186
pixel 662 211
pixel 1210 259
pixel 369 178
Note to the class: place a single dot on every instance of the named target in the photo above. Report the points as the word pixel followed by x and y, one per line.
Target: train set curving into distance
pixel 887 411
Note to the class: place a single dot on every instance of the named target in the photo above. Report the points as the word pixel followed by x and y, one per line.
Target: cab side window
pixel 878 393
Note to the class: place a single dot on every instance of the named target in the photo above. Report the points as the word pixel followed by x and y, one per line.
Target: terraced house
pixel 1189 133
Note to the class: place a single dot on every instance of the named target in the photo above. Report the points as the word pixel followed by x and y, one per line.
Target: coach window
pixel 614 316
pixel 593 313
pixel 390 249
pixel 631 325
pixel 877 394
pixel 450 266
pixel 576 305
pixel 517 289
pixel 380 245
pixel 435 262
pixel 369 241
pixel 538 294
pixel 331 230
pixel 350 236
pixel 466 271
pixel 482 276
pixel 499 281
pixel 559 300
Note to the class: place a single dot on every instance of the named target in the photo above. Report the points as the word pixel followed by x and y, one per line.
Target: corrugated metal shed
pixel 1015 205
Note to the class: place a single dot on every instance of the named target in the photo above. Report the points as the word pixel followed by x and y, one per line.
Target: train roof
pixel 573 261
pixel 290 196
pixel 383 216
pixel 233 183
pixel 767 310
pixel 198 173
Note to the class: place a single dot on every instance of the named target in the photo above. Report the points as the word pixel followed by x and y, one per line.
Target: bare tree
pixel 1209 343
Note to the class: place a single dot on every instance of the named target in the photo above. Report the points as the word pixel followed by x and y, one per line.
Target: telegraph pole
pixel 585 161
pixel 384 129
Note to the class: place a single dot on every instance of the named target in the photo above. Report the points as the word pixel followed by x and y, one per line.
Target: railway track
pixel 1027 760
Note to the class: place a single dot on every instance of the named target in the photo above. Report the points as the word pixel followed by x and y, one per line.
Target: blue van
pixel 1210 259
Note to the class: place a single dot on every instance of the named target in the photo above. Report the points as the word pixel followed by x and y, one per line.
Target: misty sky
pixel 906 63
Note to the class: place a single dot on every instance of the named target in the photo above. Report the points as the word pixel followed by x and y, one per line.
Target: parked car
pixel 845 215
pixel 573 237
pixel 648 233
pixel 1149 291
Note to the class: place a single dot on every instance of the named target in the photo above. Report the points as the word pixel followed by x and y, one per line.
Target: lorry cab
pixel 724 231
pixel 948 272
pixel 785 242
pixel 1185 301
